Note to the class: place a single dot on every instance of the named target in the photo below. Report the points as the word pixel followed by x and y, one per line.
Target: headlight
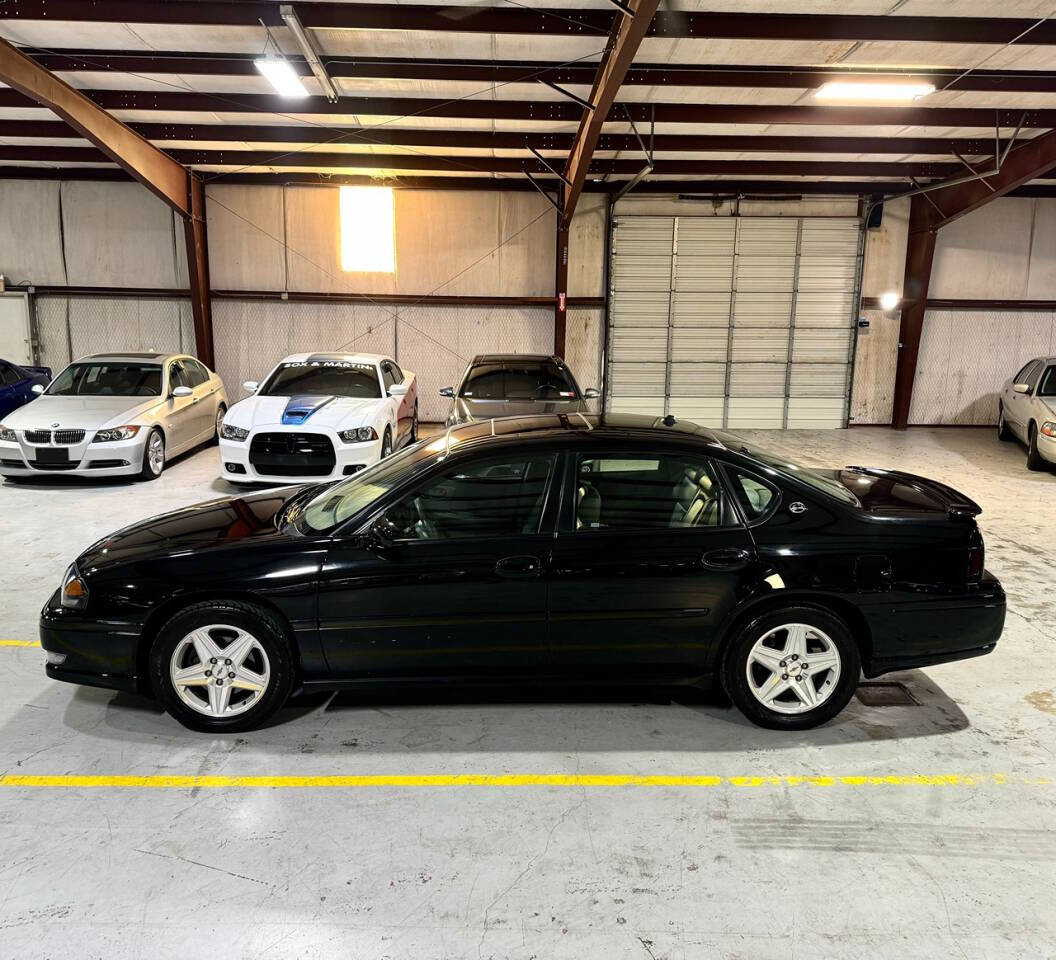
pixel 116 433
pixel 359 435
pixel 74 594
pixel 7 435
pixel 1049 428
pixel 233 433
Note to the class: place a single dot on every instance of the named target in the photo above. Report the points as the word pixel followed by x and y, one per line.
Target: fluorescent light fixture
pixel 368 230
pixel 281 76
pixel 889 300
pixel 872 90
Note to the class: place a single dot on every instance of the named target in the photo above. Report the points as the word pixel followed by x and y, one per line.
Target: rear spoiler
pixel 44 371
pixel 955 502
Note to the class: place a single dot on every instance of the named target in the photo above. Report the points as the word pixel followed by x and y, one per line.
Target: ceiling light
pixel 281 76
pixel 861 90
pixel 889 300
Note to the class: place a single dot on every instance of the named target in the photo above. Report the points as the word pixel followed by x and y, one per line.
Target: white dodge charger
pixel 319 416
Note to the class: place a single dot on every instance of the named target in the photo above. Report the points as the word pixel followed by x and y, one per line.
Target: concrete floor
pixel 773 870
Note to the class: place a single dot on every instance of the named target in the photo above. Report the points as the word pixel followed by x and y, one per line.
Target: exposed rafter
pixel 543 22
pixel 292 133
pixel 489 71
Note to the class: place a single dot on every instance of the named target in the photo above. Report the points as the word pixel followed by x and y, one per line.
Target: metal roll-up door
pixel 729 321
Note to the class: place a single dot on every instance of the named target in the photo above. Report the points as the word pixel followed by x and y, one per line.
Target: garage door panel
pixel 639 309
pixel 707 411
pixel 700 309
pixel 641 273
pixel 757 380
pixel 638 379
pixel 699 344
pixel 647 406
pixel 818 380
pixel 698 380
pixel 752 346
pixel 763 413
pixel 829 309
pixel 639 344
pixel 765 274
pixel 703 273
pixel 816 413
pixel 821 345
pixel 762 309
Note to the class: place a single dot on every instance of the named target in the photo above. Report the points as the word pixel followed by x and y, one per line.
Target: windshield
pixel 518 380
pixel 108 379
pixel 337 378
pixel 818 481
pixel 335 504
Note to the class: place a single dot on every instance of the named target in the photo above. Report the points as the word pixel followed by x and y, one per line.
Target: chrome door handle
pixel 727 558
pixel 519 568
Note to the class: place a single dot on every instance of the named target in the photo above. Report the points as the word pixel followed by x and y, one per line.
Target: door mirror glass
pixel 250 385
pixel 1021 387
pixel 37 389
pixel 447 391
pixel 182 391
pixel 591 393
pixel 398 390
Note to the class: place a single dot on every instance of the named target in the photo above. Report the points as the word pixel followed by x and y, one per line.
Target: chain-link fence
pixel 69 327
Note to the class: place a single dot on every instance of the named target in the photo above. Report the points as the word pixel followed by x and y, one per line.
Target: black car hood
pixel 466 408
pixel 215 523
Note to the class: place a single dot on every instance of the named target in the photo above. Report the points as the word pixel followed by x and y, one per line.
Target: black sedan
pixel 578 548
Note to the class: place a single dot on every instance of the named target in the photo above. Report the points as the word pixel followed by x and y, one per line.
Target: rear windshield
pixel 818 481
pixel 337 378
pixel 108 380
pixel 519 380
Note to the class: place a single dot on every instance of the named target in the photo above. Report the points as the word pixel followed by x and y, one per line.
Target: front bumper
pixel 1047 447
pixel 97 654
pixel 121 458
pixel 913 631
pixel 236 464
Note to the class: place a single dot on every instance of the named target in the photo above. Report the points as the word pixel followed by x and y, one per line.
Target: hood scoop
pixel 299 409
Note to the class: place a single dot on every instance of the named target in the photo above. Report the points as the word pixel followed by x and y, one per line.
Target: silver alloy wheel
pixel 220 411
pixel 220 670
pixel 156 453
pixel 793 668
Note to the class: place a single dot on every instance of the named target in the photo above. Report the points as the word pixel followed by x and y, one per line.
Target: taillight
pixel 976 560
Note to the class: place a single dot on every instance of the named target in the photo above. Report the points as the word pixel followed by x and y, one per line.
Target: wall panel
pixel 30 241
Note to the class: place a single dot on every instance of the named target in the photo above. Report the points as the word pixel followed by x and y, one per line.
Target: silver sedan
pixel 112 415
pixel 1027 409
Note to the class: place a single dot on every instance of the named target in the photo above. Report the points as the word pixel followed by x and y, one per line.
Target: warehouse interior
pixel 827 228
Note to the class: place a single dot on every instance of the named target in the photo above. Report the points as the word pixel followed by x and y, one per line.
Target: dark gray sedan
pixel 512 384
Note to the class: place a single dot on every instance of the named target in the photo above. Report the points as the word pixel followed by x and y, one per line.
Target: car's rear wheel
pixel 1034 458
pixel 153 456
pixel 1004 432
pixel 792 669
pixel 222 666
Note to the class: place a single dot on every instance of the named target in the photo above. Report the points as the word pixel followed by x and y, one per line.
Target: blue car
pixel 16 385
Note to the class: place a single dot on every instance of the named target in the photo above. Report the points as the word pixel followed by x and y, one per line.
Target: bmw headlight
pixel 74 593
pixel 359 435
pixel 229 432
pixel 116 433
pixel 8 436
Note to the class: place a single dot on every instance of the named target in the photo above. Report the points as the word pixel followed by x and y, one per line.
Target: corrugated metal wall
pixel 740 322
pixel 966 356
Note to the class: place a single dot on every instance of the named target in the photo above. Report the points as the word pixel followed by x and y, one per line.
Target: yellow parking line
pixel 19 643
pixel 517 780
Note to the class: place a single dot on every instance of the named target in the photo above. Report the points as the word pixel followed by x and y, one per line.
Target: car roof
pixel 501 357
pixel 324 357
pixel 597 426
pixel 159 357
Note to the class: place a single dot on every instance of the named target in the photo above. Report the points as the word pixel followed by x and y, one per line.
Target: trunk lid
pixel 892 493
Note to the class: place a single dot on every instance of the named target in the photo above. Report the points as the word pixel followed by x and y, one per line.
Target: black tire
pixel 1034 458
pixel 735 666
pixel 146 471
pixel 386 444
pixel 414 425
pixel 220 411
pixel 264 627
pixel 1003 431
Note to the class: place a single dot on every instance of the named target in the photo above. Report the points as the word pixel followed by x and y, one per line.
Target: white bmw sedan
pixel 319 416
pixel 114 415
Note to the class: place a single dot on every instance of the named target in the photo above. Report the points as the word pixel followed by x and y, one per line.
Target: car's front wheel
pixel 386 444
pixel 414 425
pixel 792 669
pixel 1034 458
pixel 220 411
pixel 1004 432
pixel 222 666
pixel 153 456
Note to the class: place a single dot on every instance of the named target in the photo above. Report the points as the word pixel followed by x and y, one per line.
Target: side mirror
pixel 37 388
pixel 1021 387
pixel 182 391
pixel 250 385
pixel 447 391
pixel 591 393
pixel 398 390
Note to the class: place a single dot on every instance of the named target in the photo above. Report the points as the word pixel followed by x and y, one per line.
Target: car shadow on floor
pixel 509 719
